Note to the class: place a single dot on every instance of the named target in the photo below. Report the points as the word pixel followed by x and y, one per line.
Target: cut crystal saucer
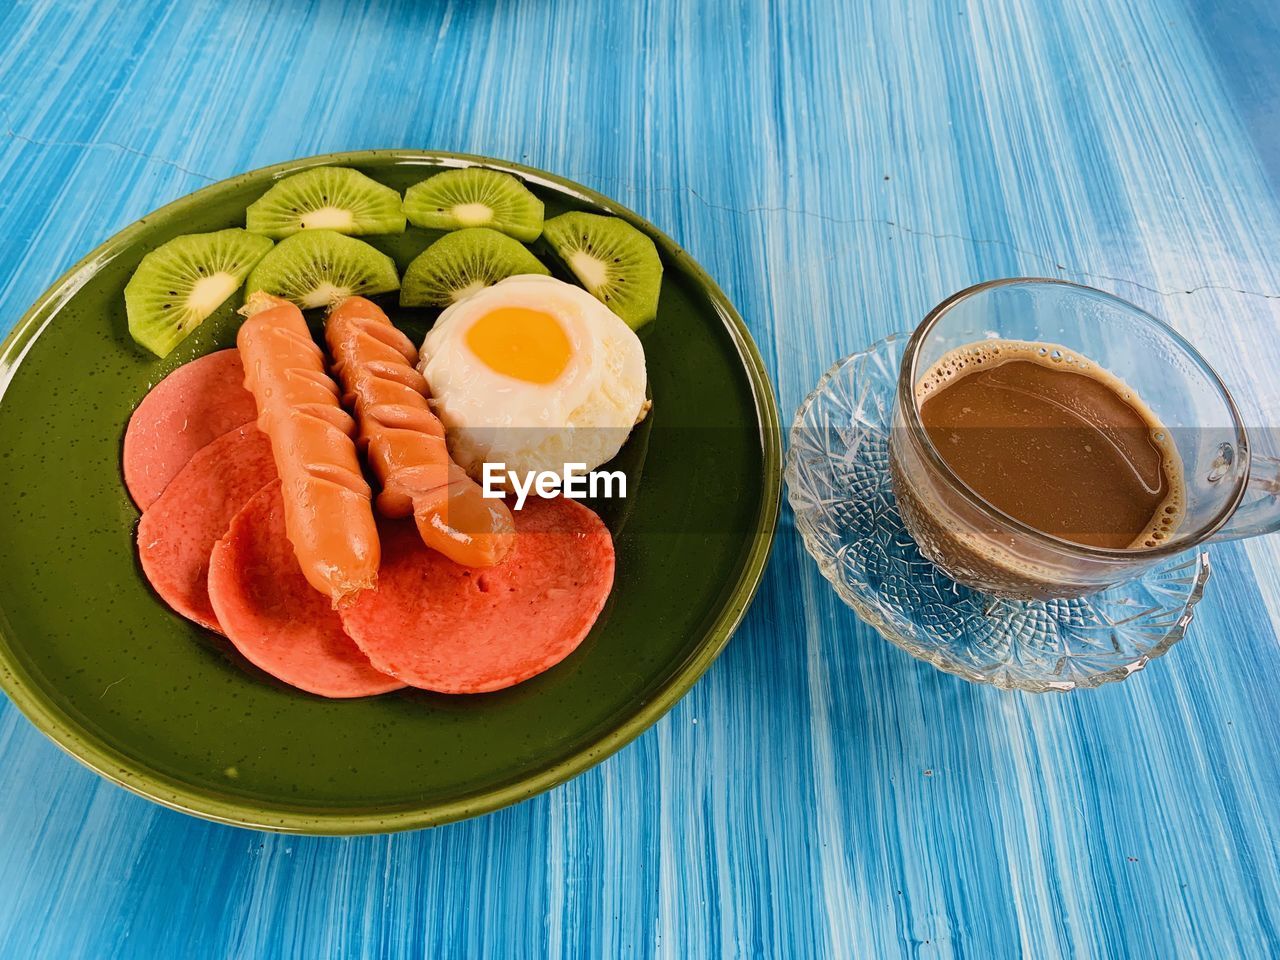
pixel 839 487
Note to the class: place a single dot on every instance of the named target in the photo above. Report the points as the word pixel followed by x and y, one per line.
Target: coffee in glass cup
pixel 1051 440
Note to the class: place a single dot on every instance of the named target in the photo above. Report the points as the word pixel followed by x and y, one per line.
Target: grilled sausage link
pixel 405 441
pixel 327 510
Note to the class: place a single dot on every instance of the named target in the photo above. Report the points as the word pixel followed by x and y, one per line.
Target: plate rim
pixel 104 759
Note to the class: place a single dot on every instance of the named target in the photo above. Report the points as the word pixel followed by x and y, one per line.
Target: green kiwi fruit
pixel 460 263
pixel 617 263
pixel 475 197
pixel 326 198
pixel 315 268
pixel 177 285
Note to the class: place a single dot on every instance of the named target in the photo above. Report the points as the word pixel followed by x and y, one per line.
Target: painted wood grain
pixel 839 168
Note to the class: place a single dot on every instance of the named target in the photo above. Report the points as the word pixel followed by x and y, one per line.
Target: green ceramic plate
pixel 98 663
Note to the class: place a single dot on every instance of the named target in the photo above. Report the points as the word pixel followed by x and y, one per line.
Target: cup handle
pixel 1259 511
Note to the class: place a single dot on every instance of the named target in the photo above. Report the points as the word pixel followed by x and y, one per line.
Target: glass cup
pixel 1230 491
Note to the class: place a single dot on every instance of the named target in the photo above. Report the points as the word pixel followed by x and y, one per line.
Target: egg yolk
pixel 520 343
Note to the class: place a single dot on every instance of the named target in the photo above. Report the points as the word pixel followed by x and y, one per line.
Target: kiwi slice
pixel 459 264
pixel 316 267
pixel 177 285
pixel 326 198
pixel 617 263
pixel 475 197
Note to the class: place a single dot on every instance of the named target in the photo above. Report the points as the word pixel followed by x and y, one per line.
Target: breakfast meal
pixel 320 504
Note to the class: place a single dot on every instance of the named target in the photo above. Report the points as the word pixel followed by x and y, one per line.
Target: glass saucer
pixel 838 485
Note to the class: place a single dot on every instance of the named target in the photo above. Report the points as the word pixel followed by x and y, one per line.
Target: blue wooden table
pixel 839 168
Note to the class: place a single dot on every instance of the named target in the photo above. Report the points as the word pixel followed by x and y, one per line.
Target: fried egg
pixel 534 373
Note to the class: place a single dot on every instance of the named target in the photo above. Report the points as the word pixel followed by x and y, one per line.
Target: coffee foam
pixel 984 354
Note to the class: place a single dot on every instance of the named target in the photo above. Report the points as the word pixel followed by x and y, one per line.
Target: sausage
pixel 327 512
pixel 405 441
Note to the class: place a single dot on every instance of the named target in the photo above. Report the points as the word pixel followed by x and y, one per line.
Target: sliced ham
pixel 187 410
pixel 276 618
pixel 453 629
pixel 178 531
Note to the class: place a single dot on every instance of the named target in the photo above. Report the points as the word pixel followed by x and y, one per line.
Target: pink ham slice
pixel 274 617
pixel 453 629
pixel 178 531
pixel 187 410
